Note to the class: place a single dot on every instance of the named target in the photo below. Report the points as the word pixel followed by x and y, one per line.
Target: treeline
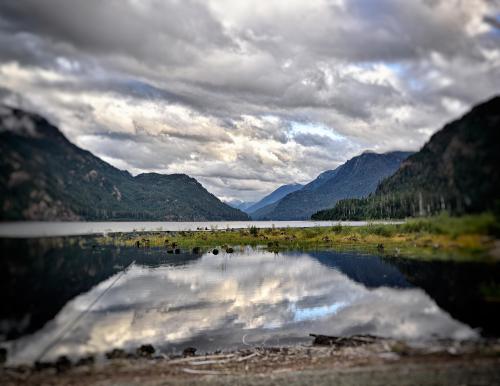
pixel 397 206
pixel 161 214
pixel 139 215
pixel 456 171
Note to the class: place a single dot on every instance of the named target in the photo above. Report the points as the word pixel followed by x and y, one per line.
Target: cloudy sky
pixel 247 95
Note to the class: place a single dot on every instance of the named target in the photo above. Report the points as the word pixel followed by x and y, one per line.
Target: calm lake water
pixel 80 300
pixel 77 228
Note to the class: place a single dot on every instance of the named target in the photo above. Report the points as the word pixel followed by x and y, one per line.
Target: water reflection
pixel 219 302
pixel 39 276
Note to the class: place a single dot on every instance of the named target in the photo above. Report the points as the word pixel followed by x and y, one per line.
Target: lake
pixel 78 228
pixel 63 297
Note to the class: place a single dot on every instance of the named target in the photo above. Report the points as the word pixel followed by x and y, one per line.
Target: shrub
pixel 445 224
pixel 337 228
pixel 380 230
pixel 254 231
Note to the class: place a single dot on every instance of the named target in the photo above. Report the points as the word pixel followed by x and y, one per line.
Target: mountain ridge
pixel 274 196
pixel 357 177
pixel 43 176
pixel 456 171
pixel 239 204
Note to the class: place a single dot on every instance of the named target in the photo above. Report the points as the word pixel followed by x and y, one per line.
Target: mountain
pixel 457 170
pixel 241 205
pixel 274 196
pixel 358 177
pixel 43 176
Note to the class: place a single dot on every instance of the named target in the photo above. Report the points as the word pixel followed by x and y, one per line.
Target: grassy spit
pixel 441 237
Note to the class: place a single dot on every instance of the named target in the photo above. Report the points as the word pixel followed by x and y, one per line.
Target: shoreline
pixel 381 357
pixel 470 238
pixel 466 238
pixel 33 229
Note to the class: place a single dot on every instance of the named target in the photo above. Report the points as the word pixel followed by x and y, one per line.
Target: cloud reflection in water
pixel 226 301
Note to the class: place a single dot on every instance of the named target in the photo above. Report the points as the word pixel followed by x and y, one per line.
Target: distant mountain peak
pixel 357 177
pixel 274 196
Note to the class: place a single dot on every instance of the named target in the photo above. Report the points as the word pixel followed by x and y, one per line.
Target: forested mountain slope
pixel 43 176
pixel 358 177
pixel 457 170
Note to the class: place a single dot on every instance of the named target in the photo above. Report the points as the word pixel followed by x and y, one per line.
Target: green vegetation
pixel 456 171
pixel 441 237
pixel 254 231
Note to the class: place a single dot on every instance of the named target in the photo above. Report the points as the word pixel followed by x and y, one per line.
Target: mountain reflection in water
pixel 251 297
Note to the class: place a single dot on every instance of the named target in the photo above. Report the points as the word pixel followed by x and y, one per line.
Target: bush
pixel 420 226
pixel 485 223
pixel 380 230
pixel 311 232
pixel 254 231
pixel 337 229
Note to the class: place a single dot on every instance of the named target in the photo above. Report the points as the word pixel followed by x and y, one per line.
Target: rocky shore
pixel 329 360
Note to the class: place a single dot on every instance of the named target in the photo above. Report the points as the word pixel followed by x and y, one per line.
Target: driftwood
pixel 351 341
pixel 203 372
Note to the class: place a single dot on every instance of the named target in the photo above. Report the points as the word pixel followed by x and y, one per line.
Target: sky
pixel 246 96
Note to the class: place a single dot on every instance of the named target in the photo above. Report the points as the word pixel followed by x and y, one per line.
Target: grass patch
pixel 483 224
pixel 442 237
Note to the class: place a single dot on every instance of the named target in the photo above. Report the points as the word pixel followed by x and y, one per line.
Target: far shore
pixel 472 237
pixel 442 237
pixel 32 229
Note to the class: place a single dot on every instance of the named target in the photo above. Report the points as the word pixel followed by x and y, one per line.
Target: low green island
pixel 472 237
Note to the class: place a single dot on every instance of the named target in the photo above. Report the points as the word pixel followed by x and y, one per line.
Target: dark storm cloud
pixel 141 30
pixel 215 88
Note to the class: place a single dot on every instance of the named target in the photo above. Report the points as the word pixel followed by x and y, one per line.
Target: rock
pixel 189 352
pixel 495 250
pixel 3 355
pixel 273 243
pixel 401 348
pixel 229 250
pixel 146 351
pixel 196 250
pixel 215 251
pixel 40 366
pixel 86 361
pixel 116 353
pixel 63 364
pixel 351 341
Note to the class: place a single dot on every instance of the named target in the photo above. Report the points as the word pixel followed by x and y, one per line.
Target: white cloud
pixel 216 89
pixel 250 295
